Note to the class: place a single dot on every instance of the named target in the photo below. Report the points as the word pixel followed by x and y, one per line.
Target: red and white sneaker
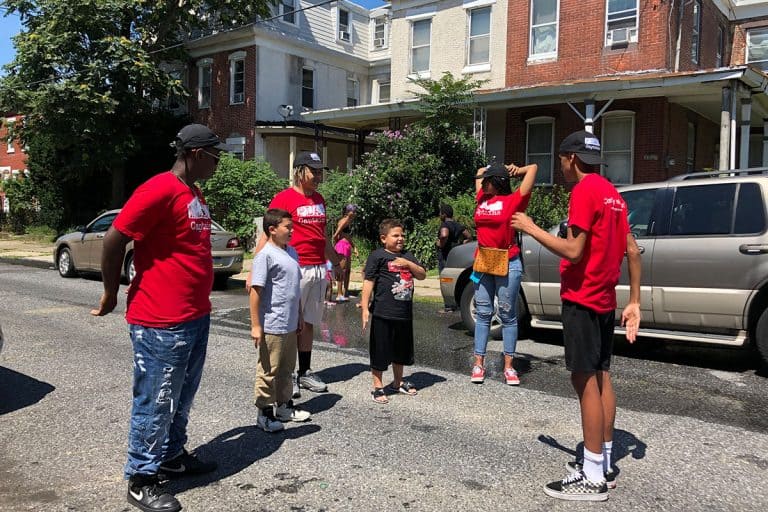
pixel 511 378
pixel 478 375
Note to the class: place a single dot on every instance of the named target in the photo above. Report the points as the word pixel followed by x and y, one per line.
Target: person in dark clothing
pixel 450 235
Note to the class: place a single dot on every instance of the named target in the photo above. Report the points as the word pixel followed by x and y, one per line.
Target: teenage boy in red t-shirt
pixel 307 209
pixel 598 238
pixel 168 313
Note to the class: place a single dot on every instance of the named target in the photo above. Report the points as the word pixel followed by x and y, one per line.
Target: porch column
pixel 725 129
pixel 589 115
pixel 291 157
pixel 765 143
pixel 479 127
pixel 325 154
pixel 735 93
pixel 746 120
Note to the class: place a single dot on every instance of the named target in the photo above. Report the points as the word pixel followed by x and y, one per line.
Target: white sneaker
pixel 290 412
pixel 267 422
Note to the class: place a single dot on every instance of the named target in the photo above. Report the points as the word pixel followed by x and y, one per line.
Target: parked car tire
pixel 65 264
pixel 220 281
pixel 761 336
pixel 130 268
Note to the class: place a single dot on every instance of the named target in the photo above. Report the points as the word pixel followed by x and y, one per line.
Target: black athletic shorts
pixel 391 342
pixel 588 338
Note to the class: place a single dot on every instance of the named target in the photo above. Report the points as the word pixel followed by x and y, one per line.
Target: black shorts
pixel 391 342
pixel 588 338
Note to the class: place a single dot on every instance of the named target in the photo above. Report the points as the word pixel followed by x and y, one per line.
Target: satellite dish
pixel 285 111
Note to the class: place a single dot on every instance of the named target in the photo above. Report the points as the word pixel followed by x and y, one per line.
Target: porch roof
pixel 700 91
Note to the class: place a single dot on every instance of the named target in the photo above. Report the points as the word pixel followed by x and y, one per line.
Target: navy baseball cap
pixel 494 170
pixel 585 145
pixel 310 159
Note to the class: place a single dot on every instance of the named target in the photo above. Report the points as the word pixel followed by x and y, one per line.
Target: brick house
pixel 671 86
pixel 251 85
pixel 13 159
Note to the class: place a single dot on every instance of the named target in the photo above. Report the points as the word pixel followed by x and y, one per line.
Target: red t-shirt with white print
pixel 308 215
pixel 597 208
pixel 492 217
pixel 171 228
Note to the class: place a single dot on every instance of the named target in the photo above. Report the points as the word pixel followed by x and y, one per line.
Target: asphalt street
pixel 692 427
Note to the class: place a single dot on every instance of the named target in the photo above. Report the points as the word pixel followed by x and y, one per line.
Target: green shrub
pixel 421 242
pixel 23 205
pixel 548 207
pixel 42 233
pixel 239 191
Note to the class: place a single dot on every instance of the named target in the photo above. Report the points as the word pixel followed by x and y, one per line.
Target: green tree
pixel 91 75
pixel 22 203
pixel 239 191
pixel 446 104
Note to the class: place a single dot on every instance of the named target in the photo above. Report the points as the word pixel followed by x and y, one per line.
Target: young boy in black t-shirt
pixel 389 274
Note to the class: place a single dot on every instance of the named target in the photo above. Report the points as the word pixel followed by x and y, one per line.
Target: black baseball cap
pixel 198 136
pixel 585 145
pixel 309 159
pixel 494 170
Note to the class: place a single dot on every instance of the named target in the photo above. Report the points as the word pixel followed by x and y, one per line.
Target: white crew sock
pixel 607 449
pixel 593 466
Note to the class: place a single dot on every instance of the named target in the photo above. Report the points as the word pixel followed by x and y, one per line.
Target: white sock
pixel 607 448
pixel 593 466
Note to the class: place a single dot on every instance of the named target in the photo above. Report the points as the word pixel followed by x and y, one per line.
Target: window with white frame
pixel 237 78
pixel 478 45
pixel 618 146
pixel 621 20
pixel 384 88
pixel 204 68
pixel 287 9
pixel 353 92
pixel 540 147
pixel 690 148
pixel 308 88
pixel 757 46
pixel 344 26
pixel 380 32
pixel 696 32
pixel 9 122
pixel 720 47
pixel 421 34
pixel 236 145
pixel 544 27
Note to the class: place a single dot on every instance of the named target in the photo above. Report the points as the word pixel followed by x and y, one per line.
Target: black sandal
pixel 406 388
pixel 379 396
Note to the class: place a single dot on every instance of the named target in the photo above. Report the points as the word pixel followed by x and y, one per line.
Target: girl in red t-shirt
pixel 496 203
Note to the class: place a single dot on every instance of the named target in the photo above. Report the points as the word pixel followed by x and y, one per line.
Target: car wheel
pixel 220 281
pixel 130 268
pixel 467 306
pixel 761 336
pixel 65 264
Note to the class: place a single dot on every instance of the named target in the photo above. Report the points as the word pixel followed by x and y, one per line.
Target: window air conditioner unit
pixel 343 35
pixel 238 97
pixel 618 36
pixel 378 42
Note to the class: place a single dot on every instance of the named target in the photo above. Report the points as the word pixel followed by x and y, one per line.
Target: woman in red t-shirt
pixel 496 203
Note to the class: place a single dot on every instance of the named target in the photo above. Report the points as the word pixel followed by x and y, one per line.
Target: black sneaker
pixel 185 464
pixel 576 487
pixel 575 466
pixel 145 493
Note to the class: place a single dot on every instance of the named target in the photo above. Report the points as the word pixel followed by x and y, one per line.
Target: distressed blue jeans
pixel 505 289
pixel 167 366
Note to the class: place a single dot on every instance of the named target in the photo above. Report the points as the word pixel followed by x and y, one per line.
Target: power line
pixel 73 73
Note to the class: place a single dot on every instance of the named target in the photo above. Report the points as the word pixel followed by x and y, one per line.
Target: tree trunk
pixel 118 187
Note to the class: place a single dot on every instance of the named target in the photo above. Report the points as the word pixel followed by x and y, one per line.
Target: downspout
pixel 679 35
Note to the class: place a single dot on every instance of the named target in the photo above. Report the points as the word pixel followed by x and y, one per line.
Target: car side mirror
pixel 563 231
pixel 81 229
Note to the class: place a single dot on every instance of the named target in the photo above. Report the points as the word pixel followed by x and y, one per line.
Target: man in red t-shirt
pixel 598 238
pixel 307 209
pixel 168 312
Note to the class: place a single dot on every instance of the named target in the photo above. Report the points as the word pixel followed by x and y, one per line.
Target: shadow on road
pixel 624 444
pixel 320 403
pixel 18 390
pixel 425 379
pixel 342 372
pixel 237 449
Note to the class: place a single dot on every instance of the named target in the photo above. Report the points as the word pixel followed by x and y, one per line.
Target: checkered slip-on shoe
pixel 576 487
